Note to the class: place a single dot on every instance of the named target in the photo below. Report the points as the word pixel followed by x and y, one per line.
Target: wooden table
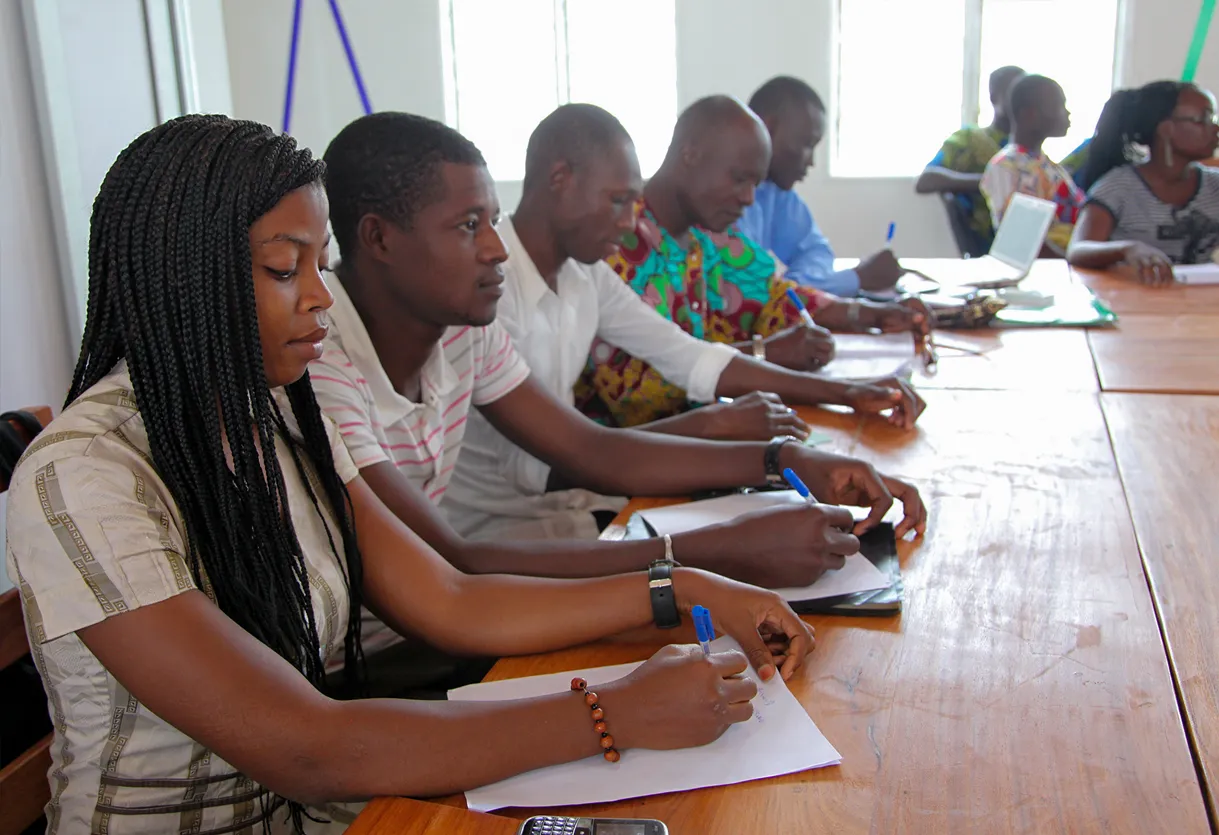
pixel 1168 452
pixel 1026 687
pixel 1028 359
pixel 403 816
pixel 1124 295
pixel 1159 353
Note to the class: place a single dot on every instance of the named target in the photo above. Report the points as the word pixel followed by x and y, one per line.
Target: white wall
pixel 35 354
pixel 720 47
pixel 397 43
pixel 102 88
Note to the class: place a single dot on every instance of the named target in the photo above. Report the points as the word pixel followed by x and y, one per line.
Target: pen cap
pixel 701 620
pixel 794 480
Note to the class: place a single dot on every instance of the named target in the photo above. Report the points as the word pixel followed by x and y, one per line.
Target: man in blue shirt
pixel 779 220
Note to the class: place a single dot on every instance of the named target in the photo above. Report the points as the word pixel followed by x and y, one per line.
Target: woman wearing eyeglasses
pixel 1152 208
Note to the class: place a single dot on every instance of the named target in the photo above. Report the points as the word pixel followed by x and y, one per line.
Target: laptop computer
pixel 1017 244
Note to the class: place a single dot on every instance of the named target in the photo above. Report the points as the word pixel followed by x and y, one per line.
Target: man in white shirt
pixel 415 345
pixel 582 183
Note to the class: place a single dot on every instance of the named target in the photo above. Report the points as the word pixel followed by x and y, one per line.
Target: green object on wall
pixel 1201 30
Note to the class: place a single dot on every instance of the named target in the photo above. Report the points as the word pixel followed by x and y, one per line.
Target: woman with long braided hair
pixel 192 543
pixel 1150 203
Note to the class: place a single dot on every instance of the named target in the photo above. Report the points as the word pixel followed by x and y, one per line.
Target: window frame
pixel 971 75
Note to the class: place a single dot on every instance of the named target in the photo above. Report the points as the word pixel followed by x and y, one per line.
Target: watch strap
pixel 774 471
pixel 660 589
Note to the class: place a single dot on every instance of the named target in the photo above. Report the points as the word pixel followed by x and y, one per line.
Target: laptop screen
pixel 1022 231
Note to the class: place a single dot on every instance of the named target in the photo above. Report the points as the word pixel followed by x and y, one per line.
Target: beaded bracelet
pixel 590 699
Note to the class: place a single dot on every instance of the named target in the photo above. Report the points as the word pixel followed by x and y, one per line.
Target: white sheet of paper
pixel 1196 273
pixel 779 739
pixel 865 356
pixel 857 575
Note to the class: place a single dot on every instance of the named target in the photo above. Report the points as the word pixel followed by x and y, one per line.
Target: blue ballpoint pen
pixel 805 316
pixel 799 486
pixel 703 628
pixel 889 237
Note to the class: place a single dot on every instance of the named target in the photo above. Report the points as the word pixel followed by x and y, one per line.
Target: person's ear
pixel 1164 131
pixel 691 154
pixel 373 232
pixel 560 176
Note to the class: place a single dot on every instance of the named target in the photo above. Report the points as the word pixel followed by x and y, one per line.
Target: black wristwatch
pixel 660 589
pixel 774 471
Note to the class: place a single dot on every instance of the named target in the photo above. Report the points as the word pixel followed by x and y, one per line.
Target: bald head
pixel 573 134
pixel 581 183
pixel 716 119
pixel 719 154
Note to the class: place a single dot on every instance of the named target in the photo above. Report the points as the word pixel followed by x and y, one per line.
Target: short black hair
pixel 573 133
pixel 389 164
pixel 1025 92
pixel 781 92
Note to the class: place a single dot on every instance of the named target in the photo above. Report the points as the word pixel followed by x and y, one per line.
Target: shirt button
pixel 694 306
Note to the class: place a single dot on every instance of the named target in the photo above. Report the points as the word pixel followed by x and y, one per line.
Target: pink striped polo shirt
pixel 469 367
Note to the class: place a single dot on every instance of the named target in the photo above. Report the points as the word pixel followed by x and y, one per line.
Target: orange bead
pixel 599 727
pixel 598 714
pixel 607 741
pixel 612 755
pixel 590 698
pixel 578 683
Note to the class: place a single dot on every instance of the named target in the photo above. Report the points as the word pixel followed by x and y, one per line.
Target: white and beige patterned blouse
pixel 94 532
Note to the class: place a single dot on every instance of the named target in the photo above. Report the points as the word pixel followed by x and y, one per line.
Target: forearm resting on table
pixel 557 558
pixel 1096 254
pixel 378 747
pixel 629 462
pixel 537 558
pixel 935 179
pixel 744 375
pixel 690 424
pixel 500 614
pixel 181 657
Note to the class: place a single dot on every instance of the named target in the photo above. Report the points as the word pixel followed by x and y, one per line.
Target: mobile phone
pixel 547 825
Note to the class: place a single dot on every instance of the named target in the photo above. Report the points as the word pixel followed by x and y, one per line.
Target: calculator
pixel 547 825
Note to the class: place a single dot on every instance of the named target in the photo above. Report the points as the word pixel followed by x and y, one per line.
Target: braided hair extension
pixel 171 291
pixel 1130 118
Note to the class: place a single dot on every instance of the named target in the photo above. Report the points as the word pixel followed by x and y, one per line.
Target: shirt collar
pixel 530 285
pixel 437 376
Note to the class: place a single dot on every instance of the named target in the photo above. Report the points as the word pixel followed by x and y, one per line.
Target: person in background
pixel 192 541
pixel 779 220
pixel 958 166
pixel 687 262
pixel 1076 162
pixel 1038 111
pixel 1155 211
pixel 582 181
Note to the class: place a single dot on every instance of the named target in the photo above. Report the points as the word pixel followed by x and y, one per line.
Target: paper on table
pixel 859 574
pixel 779 739
pixel 1196 273
pixel 866 357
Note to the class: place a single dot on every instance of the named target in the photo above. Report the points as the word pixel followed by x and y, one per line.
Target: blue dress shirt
pixel 779 221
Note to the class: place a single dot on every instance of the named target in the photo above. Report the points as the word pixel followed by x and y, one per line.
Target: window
pixel 905 85
pixel 509 64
